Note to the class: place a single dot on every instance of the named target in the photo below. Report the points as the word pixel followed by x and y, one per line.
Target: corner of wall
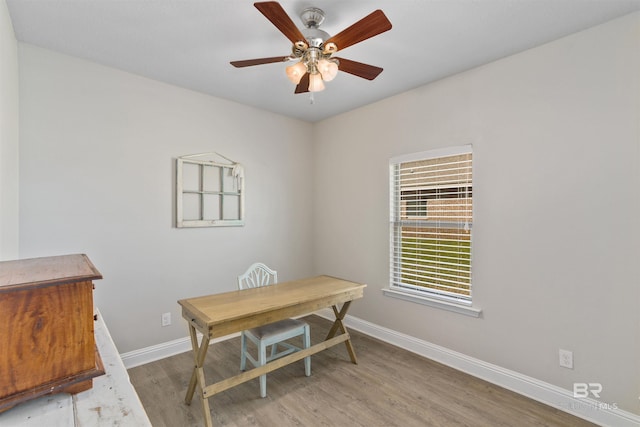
pixel 9 137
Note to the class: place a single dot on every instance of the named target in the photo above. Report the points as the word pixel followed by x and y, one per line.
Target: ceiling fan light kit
pixel 295 72
pixel 313 48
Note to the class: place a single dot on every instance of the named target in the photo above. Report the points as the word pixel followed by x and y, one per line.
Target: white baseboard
pixel 134 358
pixel 588 409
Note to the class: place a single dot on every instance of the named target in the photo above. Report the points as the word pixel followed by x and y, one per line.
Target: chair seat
pixel 265 332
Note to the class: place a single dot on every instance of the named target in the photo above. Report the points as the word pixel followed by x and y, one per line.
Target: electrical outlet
pixel 566 359
pixel 166 319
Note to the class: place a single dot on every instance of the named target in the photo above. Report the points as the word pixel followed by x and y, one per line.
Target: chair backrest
pixel 257 275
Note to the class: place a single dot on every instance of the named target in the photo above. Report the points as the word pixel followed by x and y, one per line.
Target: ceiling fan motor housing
pixel 315 37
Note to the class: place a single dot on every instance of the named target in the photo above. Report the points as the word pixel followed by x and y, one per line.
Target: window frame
pixel 427 295
pixel 215 181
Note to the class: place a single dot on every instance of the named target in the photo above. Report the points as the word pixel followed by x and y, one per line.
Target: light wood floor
pixel 388 387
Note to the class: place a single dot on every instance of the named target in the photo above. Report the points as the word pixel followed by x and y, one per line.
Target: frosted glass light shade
pixel 315 83
pixel 328 69
pixel 295 72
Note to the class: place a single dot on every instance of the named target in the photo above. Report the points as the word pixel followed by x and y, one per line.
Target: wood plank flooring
pixel 388 387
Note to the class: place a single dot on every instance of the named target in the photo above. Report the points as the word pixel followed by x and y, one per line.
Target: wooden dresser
pixel 47 342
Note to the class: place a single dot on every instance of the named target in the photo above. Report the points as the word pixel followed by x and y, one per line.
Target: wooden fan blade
pixel 371 25
pixel 303 86
pixel 259 61
pixel 278 17
pixel 359 69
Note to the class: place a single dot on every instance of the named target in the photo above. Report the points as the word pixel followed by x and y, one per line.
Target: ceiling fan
pixel 314 48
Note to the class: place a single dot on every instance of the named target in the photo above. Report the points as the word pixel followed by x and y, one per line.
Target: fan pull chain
pixel 311 98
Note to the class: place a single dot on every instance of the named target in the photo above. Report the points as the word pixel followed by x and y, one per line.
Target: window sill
pixel 432 302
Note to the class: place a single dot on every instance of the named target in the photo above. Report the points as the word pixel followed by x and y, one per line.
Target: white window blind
pixel 431 223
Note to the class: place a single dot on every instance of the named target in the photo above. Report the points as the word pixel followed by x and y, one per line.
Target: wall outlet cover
pixel 566 358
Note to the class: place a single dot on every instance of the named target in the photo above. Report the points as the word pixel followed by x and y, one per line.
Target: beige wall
pixel 8 137
pixel 556 143
pixel 98 149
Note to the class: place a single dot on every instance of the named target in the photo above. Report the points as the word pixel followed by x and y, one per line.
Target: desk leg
pixel 338 324
pixel 197 377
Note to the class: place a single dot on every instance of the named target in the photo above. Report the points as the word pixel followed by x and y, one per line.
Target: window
pixel 431 225
pixel 209 193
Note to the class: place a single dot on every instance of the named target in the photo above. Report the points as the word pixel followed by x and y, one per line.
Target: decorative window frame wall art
pixel 209 191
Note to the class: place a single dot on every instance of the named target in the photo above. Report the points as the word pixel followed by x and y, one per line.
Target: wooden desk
pixel 222 314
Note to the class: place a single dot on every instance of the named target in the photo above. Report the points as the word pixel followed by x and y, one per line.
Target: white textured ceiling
pixel 189 43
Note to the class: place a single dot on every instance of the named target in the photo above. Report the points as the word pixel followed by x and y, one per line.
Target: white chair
pixel 273 334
